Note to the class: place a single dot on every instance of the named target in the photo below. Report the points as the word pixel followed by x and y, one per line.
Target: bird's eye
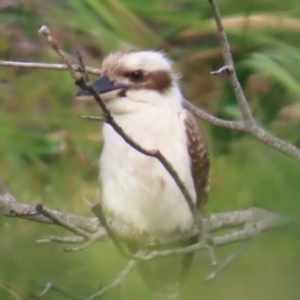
pixel 136 76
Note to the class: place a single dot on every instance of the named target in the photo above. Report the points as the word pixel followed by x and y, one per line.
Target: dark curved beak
pixel 107 89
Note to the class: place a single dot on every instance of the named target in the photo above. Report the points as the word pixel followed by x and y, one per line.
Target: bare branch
pixel 225 69
pixel 258 221
pixel 64 240
pixel 46 66
pixel 254 222
pixel 239 94
pixel 5 286
pixel 93 118
pixel 44 30
pixel 10 207
pixel 249 124
pixel 201 114
pixel 49 286
pixel 274 142
pixel 238 218
pixel 61 221
pixel 228 261
pixel 99 235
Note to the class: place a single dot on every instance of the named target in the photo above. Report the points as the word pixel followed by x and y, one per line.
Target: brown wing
pixel 199 158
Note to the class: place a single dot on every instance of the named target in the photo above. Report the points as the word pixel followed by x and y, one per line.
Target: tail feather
pixel 164 275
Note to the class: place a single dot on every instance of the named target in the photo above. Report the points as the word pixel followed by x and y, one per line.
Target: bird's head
pixel 132 80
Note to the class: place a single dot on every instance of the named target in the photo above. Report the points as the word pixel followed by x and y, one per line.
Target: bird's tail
pixel 162 276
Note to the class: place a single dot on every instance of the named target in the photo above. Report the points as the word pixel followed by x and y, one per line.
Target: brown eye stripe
pixel 156 80
pixel 160 80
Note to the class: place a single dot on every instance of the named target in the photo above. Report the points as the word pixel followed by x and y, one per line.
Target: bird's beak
pixel 107 89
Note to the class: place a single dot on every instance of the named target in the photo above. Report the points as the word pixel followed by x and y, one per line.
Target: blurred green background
pixel 49 155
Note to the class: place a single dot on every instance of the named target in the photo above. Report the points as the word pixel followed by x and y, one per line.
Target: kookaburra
pixel 139 197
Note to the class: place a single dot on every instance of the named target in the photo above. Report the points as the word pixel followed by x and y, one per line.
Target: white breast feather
pixel 137 190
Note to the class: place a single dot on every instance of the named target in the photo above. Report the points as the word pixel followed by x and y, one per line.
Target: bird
pixel 140 198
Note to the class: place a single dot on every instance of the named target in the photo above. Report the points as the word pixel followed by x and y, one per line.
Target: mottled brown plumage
pixel 199 158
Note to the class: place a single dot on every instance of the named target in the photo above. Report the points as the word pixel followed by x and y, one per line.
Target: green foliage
pixel 280 66
pixel 48 155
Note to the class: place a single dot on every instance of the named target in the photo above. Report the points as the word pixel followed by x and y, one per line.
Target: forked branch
pixel 249 124
pixel 245 225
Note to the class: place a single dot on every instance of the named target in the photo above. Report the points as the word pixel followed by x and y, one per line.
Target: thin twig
pixel 101 234
pixel 11 207
pixel 61 222
pixel 122 276
pixel 64 240
pixel 6 287
pixel 274 142
pixel 239 94
pixel 97 210
pixel 49 286
pixel 229 260
pixel 225 69
pixel 250 230
pixel 248 121
pixel 47 66
pixel 201 114
pixel 93 118
pixel 44 30
pixel 238 218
